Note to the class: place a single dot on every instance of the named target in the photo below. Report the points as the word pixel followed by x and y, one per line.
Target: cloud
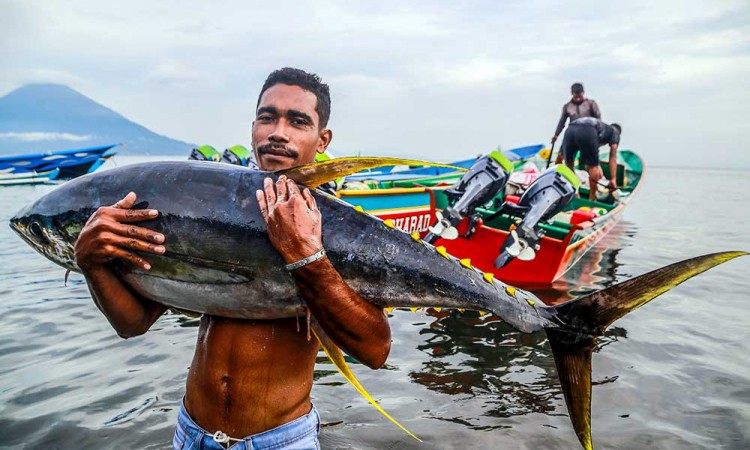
pixel 44 136
pixel 176 72
pixel 435 79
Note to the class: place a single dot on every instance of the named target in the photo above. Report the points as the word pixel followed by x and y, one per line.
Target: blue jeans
pixel 299 434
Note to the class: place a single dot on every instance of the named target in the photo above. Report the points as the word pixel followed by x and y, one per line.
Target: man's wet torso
pixel 250 376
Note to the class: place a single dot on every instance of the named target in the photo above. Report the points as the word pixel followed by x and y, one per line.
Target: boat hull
pixel 553 259
pixel 410 209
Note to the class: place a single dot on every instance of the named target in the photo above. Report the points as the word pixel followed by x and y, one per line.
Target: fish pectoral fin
pixel 315 174
pixel 337 358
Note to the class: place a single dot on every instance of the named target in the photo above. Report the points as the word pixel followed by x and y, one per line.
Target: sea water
pixel 674 374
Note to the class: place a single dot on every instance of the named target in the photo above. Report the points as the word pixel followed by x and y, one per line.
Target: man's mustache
pixel 278 150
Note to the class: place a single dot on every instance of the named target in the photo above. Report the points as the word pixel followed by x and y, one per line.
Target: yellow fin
pixel 389 223
pixel 531 302
pixel 414 309
pixel 437 309
pixel 510 290
pixel 415 236
pixel 442 251
pixel 389 309
pixel 489 277
pixel 359 208
pixel 337 358
pixel 466 262
pixel 317 173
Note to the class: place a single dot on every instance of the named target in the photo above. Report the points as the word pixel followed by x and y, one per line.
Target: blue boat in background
pixel 14 179
pixel 391 173
pixel 60 164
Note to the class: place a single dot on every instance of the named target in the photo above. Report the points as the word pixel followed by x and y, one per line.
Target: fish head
pixel 52 236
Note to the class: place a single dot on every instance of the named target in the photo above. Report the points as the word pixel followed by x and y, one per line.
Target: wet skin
pixel 248 376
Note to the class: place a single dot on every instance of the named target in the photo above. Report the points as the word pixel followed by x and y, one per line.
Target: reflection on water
pixel 482 356
pixel 458 380
pixel 597 269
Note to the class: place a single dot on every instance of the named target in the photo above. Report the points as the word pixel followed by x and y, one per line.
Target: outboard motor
pixel 237 155
pixel 546 196
pixel 486 178
pixel 205 153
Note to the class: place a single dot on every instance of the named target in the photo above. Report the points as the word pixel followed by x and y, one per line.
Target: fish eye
pixel 36 230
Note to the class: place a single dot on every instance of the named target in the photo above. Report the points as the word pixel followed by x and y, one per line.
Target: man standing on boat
pixel 250 380
pixel 578 106
pixel 587 135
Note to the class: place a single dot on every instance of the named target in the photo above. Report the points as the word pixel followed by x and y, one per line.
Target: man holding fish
pixel 250 380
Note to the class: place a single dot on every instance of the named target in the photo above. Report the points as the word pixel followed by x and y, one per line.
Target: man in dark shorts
pixel 250 380
pixel 587 135
pixel 578 106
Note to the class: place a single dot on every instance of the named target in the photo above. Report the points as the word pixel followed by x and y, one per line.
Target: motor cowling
pixel 485 179
pixel 549 194
pixel 205 153
pixel 238 155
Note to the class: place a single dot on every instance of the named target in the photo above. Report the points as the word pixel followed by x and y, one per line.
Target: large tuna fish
pixel 219 260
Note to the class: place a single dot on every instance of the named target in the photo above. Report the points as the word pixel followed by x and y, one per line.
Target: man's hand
pixel 293 221
pixel 109 234
pixel 554 139
pixel 612 185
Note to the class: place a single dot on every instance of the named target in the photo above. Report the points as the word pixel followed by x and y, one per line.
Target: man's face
pixel 286 128
pixel 577 98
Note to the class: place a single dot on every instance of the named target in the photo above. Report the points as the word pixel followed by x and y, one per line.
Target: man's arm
pixel 293 222
pixel 595 112
pixel 109 235
pixel 561 123
pixel 357 326
pixel 613 165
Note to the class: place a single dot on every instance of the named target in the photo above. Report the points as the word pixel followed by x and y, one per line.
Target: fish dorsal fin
pixel 337 358
pixel 315 174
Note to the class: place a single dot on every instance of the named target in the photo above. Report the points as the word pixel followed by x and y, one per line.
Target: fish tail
pixel 583 319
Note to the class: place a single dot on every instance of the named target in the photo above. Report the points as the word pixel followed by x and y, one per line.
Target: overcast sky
pixel 437 80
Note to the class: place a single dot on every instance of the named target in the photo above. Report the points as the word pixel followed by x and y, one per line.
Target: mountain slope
pixel 43 117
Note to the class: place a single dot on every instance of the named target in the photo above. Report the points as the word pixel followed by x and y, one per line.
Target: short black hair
pixel 617 127
pixel 307 81
pixel 576 88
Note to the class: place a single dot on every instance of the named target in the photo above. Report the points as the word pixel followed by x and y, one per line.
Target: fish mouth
pixel 16 225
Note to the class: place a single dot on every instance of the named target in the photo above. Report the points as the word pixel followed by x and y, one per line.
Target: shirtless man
pixel 250 380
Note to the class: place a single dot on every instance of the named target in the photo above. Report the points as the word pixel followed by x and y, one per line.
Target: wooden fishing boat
pixel 411 209
pixel 71 163
pixel 568 235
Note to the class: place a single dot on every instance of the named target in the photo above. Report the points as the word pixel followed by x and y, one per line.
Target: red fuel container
pixel 579 216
